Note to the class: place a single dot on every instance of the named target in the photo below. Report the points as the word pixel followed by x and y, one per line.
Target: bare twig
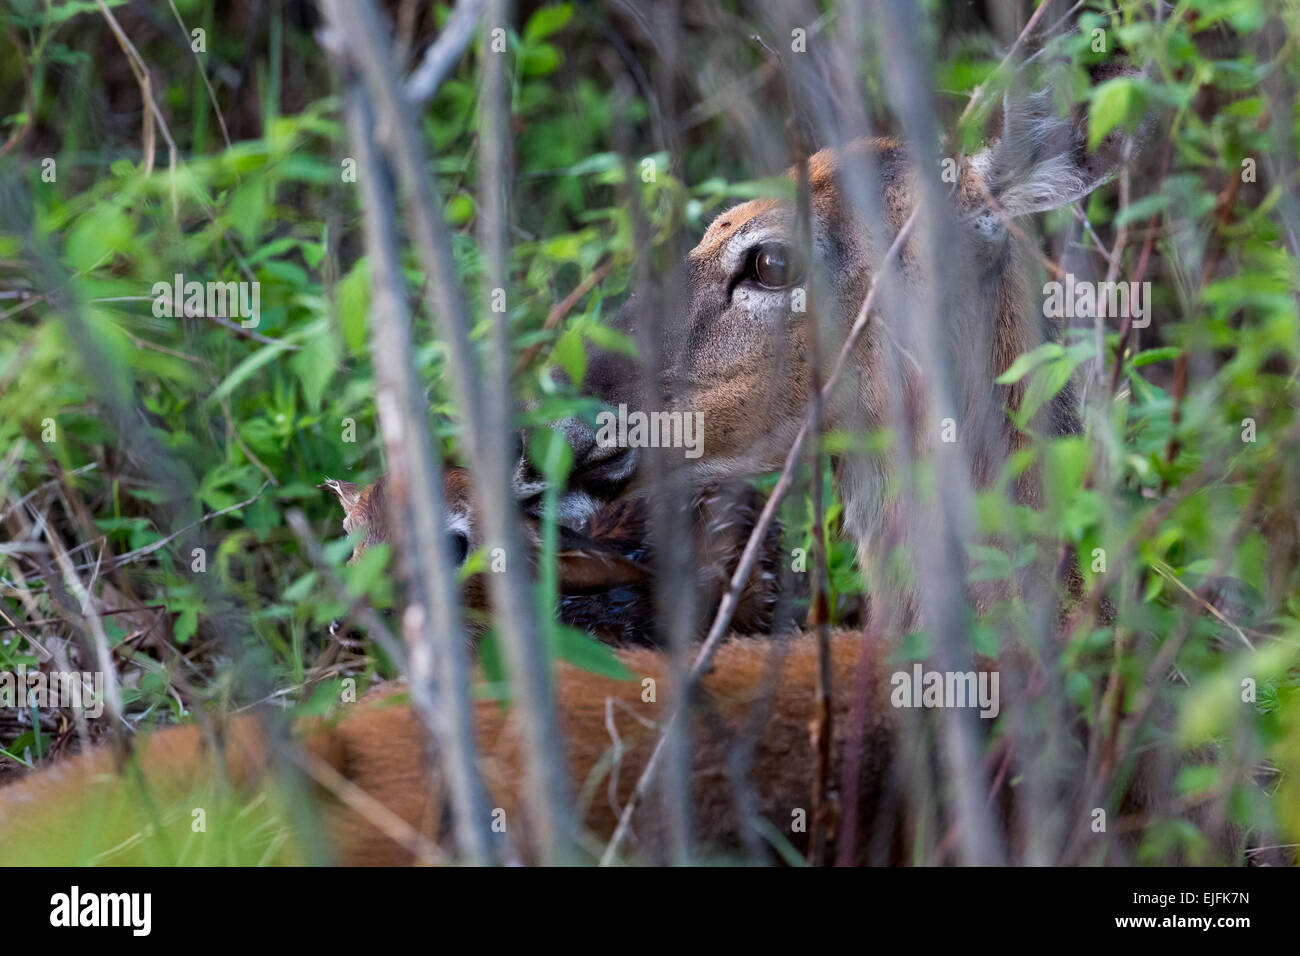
pixel 98 638
pixel 58 620
pixel 360 611
pixel 562 308
pixel 820 822
pixel 978 93
pixel 131 557
pixel 935 533
pixel 487 430
pixel 179 308
pixel 203 74
pixel 432 620
pixel 46 484
pixel 440 59
pixel 1167 573
pixel 368 808
pixel 150 110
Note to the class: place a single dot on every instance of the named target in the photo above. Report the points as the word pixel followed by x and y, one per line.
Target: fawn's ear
pixel 1042 161
pixel 348 495
pixel 345 491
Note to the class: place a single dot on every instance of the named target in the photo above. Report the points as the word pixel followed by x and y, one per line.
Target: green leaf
pixel 459 209
pixel 363 576
pixel 540 60
pixel 97 236
pixel 583 650
pixel 990 564
pixel 491 660
pixel 316 362
pixel 354 305
pixel 247 208
pixel 1144 207
pixel 1196 780
pixel 1024 364
pixel 1164 354
pixel 1111 103
pixel 187 622
pixel 551 454
pixel 570 355
pixel 298 591
pixel 246 368
pixel 288 272
pixel 1049 379
pixel 1065 468
pixel 611 340
pixel 546 21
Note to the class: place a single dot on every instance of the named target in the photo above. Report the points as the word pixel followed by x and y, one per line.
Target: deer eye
pixel 459 547
pixel 772 266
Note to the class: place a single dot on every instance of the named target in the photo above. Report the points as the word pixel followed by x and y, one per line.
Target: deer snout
pixel 601 470
pixel 605 471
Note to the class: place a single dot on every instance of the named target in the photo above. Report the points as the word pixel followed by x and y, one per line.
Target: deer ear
pixel 345 491
pixel 1042 161
pixel 592 568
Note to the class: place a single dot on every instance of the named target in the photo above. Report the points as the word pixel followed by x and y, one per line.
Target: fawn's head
pixel 366 507
pixel 585 562
pixel 605 571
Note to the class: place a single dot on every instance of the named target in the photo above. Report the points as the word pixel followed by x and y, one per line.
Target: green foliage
pixel 1166 486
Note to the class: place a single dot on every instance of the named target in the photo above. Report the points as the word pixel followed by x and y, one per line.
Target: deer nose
pixel 459 547
pixel 604 472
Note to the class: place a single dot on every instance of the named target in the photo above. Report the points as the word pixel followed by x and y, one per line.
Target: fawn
pixel 606 569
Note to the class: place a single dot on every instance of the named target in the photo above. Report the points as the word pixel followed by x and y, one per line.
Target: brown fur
pixel 378 745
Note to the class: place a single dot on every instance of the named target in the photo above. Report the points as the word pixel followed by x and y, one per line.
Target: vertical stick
pixel 432 621
pixel 487 432
pixel 936 533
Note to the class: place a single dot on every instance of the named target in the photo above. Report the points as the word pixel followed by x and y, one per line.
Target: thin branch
pixel 45 622
pixel 487 429
pixel 151 112
pixel 821 729
pixel 1167 573
pixel 203 74
pixel 432 620
pixel 131 557
pixel 441 57
pixel 562 308
pixel 46 484
pixel 180 309
pixel 359 611
pixel 371 810
pixel 98 638
pixel 977 94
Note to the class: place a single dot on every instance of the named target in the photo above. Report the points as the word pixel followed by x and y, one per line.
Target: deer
pixel 738 352
pixel 758 695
